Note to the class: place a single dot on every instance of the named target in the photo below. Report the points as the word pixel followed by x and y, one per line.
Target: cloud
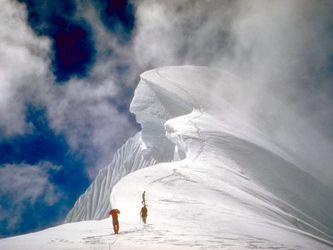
pixel 93 112
pixel 92 125
pixel 24 66
pixel 289 50
pixel 90 112
pixel 24 185
pixel 184 32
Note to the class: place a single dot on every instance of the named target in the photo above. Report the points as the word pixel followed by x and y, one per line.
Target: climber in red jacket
pixel 114 213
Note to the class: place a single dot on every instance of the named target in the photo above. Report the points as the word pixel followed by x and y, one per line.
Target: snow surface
pixel 220 182
pixel 94 203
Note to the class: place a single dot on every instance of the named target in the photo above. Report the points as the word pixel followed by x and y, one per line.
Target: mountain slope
pixel 229 166
pixel 94 204
pixel 219 181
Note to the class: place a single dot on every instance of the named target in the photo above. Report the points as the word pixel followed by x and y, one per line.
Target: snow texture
pixel 212 180
pixel 94 203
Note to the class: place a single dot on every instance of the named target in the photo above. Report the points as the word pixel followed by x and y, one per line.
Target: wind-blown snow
pixel 228 186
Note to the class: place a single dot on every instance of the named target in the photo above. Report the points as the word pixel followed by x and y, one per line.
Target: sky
pixel 68 71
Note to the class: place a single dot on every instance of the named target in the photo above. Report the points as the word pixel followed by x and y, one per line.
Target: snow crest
pixel 213 180
pixel 146 148
pixel 94 204
pixel 230 179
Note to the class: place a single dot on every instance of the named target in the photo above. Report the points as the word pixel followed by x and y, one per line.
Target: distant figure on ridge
pixel 114 213
pixel 143 198
pixel 144 210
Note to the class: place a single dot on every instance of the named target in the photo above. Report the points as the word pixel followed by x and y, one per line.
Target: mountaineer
pixel 114 213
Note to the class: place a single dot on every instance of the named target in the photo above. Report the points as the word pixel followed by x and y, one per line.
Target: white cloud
pixel 80 109
pixel 23 67
pixel 92 125
pixel 85 110
pixel 25 184
pixel 181 32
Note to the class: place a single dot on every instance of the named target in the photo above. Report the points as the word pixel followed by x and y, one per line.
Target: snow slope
pixel 94 203
pixel 229 185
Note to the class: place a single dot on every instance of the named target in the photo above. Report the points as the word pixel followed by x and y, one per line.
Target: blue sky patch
pixel 72 43
pixel 69 178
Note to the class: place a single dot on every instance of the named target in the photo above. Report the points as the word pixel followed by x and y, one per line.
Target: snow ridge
pixel 213 179
pixel 94 203
pixel 252 177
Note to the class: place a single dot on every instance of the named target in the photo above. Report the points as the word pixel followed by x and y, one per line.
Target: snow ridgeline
pixel 94 204
pixel 148 147
pixel 212 180
pixel 233 180
pixel 178 105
